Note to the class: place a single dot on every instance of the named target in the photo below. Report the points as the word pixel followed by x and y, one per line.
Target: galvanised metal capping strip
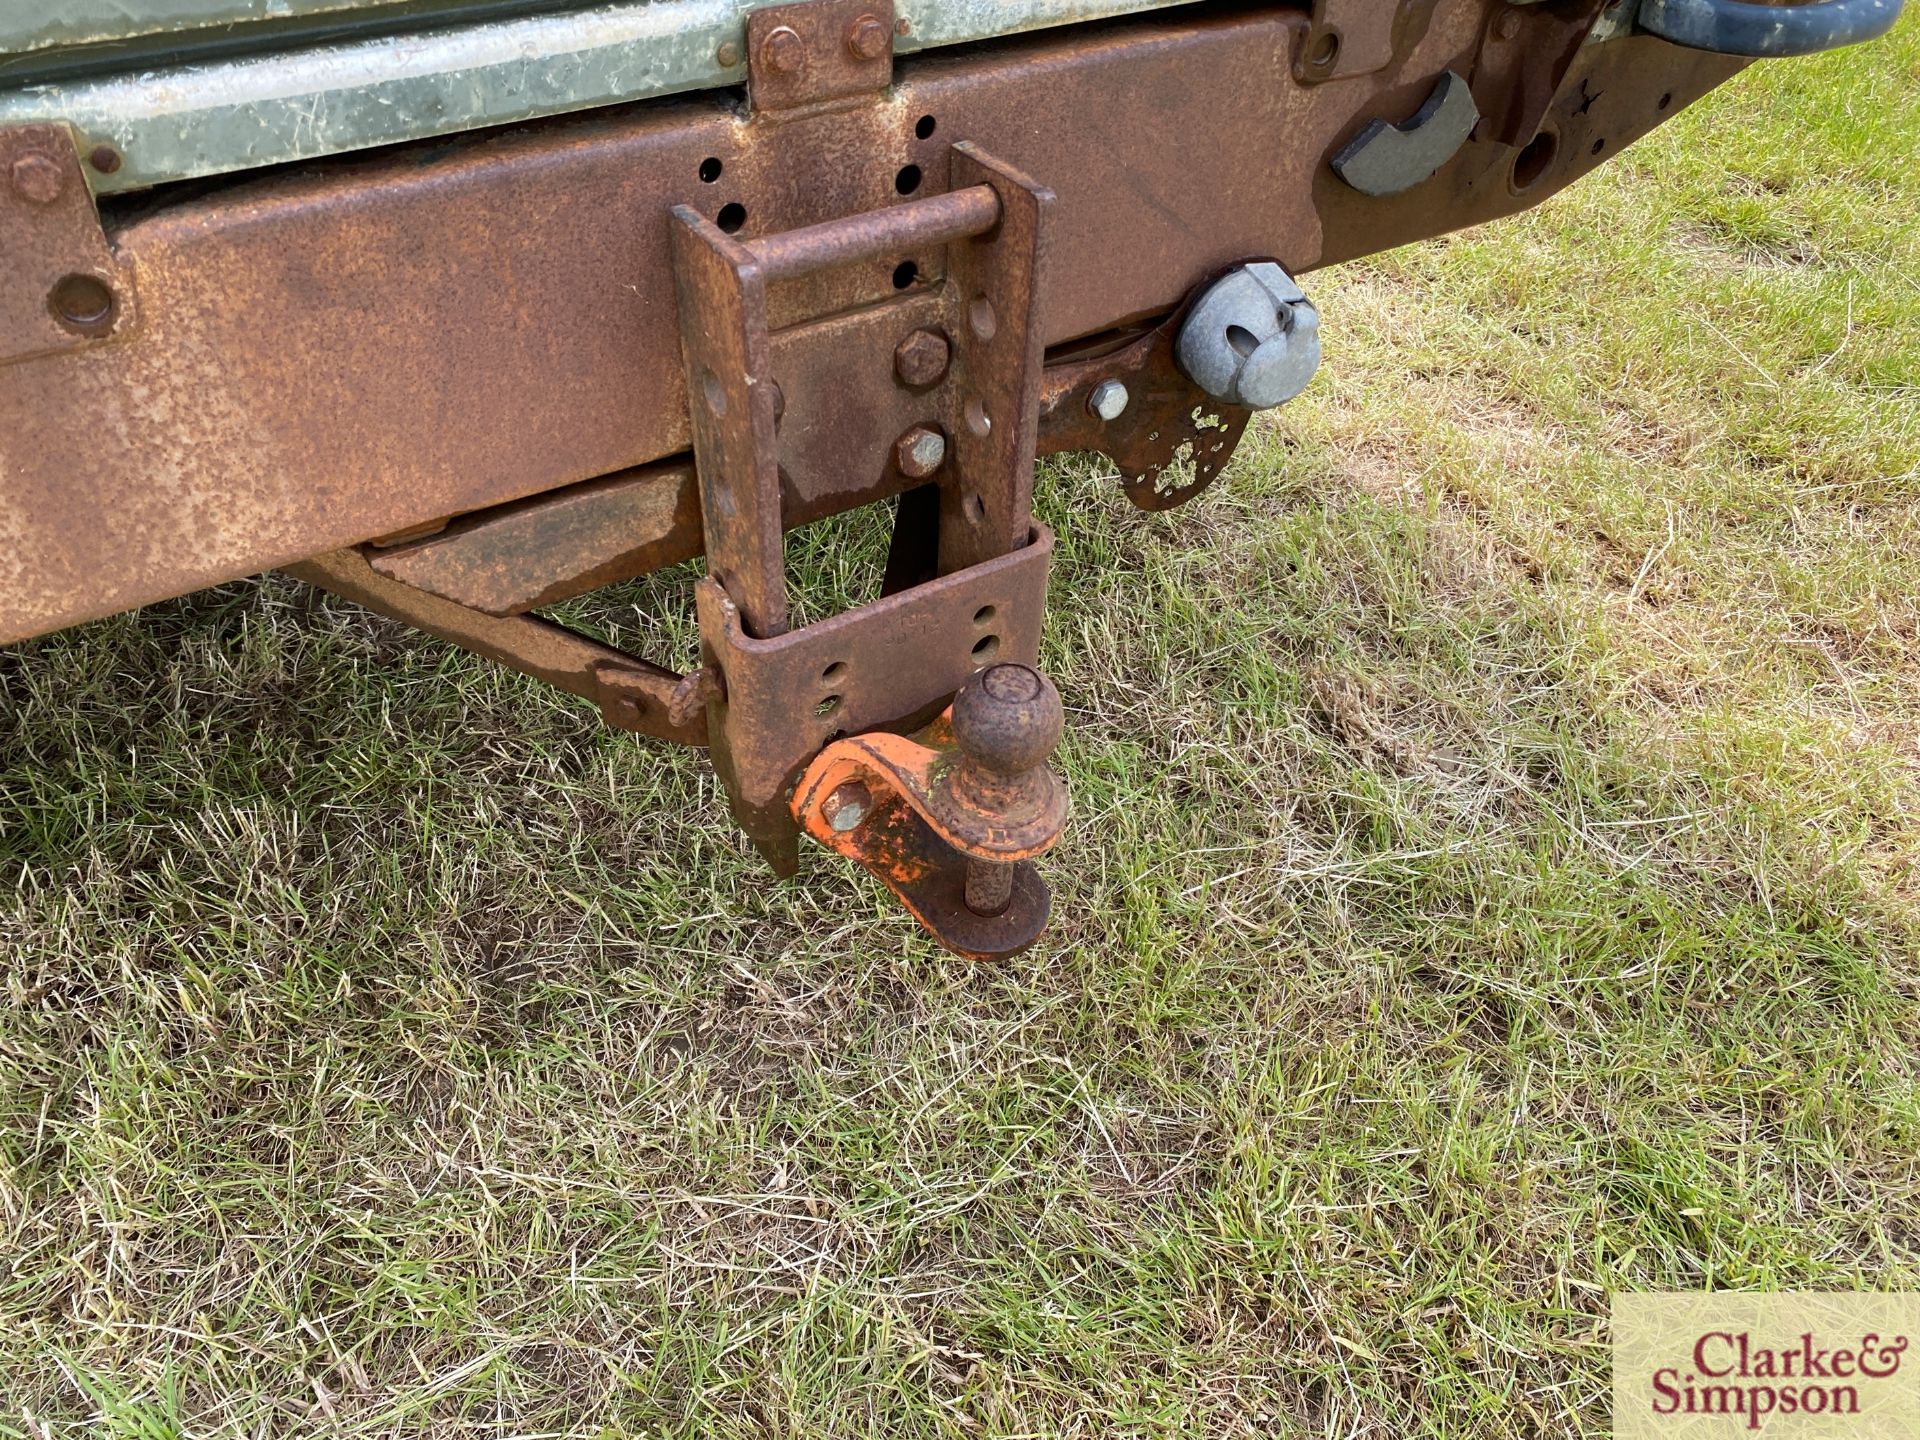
pixel 216 117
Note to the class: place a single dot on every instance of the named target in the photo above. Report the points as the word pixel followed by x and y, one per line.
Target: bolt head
pixel 869 38
pixel 728 55
pixel 783 50
pixel 922 358
pixel 1008 718
pixel 847 806
pixel 38 178
pixel 920 452
pixel 1108 400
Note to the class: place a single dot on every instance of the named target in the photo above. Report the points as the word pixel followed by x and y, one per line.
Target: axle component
pixel 950 819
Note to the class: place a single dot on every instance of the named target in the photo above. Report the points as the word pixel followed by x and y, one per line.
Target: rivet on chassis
pixel 920 452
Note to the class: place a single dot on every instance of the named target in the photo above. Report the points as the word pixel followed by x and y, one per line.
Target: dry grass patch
pixel 1490 886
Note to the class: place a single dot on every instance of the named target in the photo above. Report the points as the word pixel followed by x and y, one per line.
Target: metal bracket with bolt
pixel 968 592
pixel 952 818
pixel 65 288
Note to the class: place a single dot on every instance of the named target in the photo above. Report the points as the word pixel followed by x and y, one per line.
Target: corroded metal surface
pixel 885 664
pixel 980 422
pixel 554 547
pixel 330 356
pixel 809 51
pixel 1172 440
pixel 1358 37
pixel 63 287
pixel 950 819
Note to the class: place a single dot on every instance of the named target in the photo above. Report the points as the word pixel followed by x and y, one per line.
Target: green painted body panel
pixel 185 88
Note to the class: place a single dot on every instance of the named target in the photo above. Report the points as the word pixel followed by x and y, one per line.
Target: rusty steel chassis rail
pixel 452 380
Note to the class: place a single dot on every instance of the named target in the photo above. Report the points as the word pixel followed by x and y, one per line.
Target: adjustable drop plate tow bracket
pixel 964 804
pixel 911 734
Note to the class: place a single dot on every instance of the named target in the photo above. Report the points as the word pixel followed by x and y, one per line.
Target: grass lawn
pixel 1491 885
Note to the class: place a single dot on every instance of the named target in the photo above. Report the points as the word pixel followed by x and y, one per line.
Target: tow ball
pixel 952 817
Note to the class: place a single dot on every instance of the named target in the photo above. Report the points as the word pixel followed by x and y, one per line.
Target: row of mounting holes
pixel 984 649
pixel 988 645
pixel 983 324
pixel 907 181
pixel 733 215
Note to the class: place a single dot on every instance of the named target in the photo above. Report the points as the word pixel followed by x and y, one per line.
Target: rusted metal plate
pixel 818 50
pixel 722 287
pixel 1524 56
pixel 886 664
pixel 996 284
pixel 1172 440
pixel 1346 38
pixel 553 547
pixel 63 287
pixel 723 327
pixel 179 89
pixel 365 346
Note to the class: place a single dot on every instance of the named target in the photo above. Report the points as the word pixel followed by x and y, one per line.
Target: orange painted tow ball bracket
pixel 952 817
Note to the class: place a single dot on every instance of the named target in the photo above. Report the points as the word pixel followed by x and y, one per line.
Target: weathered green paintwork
pixel 238 111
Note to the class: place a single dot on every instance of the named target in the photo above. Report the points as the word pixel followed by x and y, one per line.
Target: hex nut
pixel 38 178
pixel 1108 401
pixel 920 452
pixel 869 38
pixel 922 358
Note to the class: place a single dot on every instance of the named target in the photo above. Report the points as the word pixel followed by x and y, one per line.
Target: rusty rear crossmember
pixel 458 383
